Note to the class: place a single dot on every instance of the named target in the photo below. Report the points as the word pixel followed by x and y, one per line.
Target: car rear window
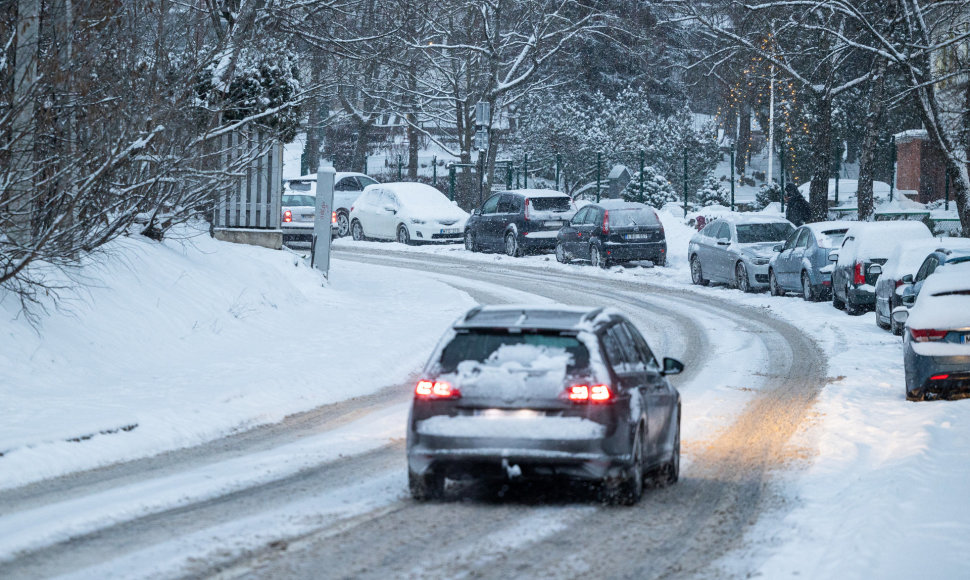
pixel 300 185
pixel 754 233
pixel 830 238
pixel 479 346
pixel 293 200
pixel 633 217
pixel 550 203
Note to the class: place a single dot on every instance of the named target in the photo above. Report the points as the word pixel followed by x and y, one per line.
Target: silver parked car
pixel 800 264
pixel 736 249
pixel 936 340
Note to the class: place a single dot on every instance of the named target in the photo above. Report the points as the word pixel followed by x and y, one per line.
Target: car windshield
pixel 769 232
pixel 480 345
pixel 550 203
pixel 830 238
pixel 294 200
pixel 632 217
pixel 300 185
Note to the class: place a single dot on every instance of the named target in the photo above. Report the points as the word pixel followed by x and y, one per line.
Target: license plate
pixel 638 236
pixel 554 223
pixel 517 413
pixel 965 339
pixel 449 231
pixel 308 216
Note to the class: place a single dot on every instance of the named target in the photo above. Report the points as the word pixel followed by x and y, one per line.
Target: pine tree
pixel 711 193
pixel 769 192
pixel 657 191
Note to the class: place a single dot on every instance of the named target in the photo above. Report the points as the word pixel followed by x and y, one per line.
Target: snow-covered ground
pixel 193 339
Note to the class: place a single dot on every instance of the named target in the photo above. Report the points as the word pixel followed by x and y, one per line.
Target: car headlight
pixel 417 221
pixel 760 261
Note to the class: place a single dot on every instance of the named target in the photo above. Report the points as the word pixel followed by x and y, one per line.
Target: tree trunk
pixel 22 135
pixel 744 141
pixel 314 129
pixel 413 142
pixel 358 160
pixel 821 157
pixel 870 138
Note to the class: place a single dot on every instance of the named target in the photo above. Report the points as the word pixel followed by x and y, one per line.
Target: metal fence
pixel 252 198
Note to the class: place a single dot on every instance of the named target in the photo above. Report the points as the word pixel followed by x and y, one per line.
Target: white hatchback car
pixel 406 212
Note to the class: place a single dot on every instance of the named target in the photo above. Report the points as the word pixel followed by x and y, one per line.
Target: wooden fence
pixel 252 198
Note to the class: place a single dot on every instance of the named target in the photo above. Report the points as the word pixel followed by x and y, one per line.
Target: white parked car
pixel 347 186
pixel 406 212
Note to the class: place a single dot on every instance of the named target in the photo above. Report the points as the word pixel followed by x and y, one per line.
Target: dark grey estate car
pixel 544 392
pixel 519 221
pixel 613 231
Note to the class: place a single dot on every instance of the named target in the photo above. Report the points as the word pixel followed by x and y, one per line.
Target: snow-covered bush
pixel 712 192
pixel 657 191
pixel 769 192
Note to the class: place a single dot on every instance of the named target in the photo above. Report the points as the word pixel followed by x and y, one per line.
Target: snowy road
pixel 325 491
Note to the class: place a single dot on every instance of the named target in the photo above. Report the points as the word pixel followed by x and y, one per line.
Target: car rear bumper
pixel 862 296
pixel 539 239
pixel 654 251
pixel 943 377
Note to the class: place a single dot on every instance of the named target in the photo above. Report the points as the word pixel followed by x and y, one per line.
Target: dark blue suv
pixel 520 221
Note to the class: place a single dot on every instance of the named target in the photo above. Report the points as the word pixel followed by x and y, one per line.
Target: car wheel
pixel 850 308
pixel 426 487
pixel 741 278
pixel 561 256
pixel 470 244
pixel 512 245
pixel 629 490
pixel 696 274
pixel 660 262
pixel 357 231
pixel 402 235
pixel 670 472
pixel 596 257
pixel 895 327
pixel 836 302
pixel 343 224
pixel 776 290
pixel 808 292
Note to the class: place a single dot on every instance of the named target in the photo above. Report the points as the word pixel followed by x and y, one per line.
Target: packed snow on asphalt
pixel 169 345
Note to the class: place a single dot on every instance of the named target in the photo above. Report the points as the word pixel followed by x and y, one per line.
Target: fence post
pixel 451 181
pixel 685 182
pixel 481 176
pixel 599 162
pixel 525 171
pixel 434 170
pixel 838 168
pixel 558 169
pixel 782 157
pixel 892 166
pixel 946 191
pixel 640 196
pixel 732 175
pixel 508 175
pixel 399 167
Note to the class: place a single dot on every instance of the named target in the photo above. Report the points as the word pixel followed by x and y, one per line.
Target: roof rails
pixel 592 314
pixel 472 313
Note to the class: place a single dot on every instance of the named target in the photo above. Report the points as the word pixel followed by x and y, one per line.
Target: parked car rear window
pixel 754 233
pixel 830 238
pixel 478 346
pixel 300 185
pixel 292 200
pixel 633 217
pixel 550 203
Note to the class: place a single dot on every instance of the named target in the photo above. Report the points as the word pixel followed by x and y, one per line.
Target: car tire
pixel 403 236
pixel 426 487
pixel 596 257
pixel 850 308
pixel 470 244
pixel 741 280
pixel 773 286
pixel 836 302
pixel 669 472
pixel 660 262
pixel 512 245
pixel 808 291
pixel 895 327
pixel 696 273
pixel 357 231
pixel 629 490
pixel 343 224
pixel 561 256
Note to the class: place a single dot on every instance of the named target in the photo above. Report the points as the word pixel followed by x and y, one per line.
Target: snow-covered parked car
pixel 800 264
pixel 519 221
pixel 515 392
pixel 858 262
pixel 736 249
pixel 347 186
pixel 406 212
pixel 936 339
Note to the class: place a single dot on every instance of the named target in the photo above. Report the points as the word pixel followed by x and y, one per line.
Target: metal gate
pixel 252 198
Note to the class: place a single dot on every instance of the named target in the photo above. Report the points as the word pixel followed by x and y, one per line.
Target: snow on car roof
pixel 621 204
pixel 740 218
pixel 877 239
pixel 907 257
pixel 338 175
pixel 822 227
pixel 536 192
pixel 939 305
pixel 528 316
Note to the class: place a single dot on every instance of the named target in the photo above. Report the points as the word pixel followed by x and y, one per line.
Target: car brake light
pixel 589 394
pixel 939 377
pixel 899 283
pixel 860 277
pixel 606 222
pixel 436 390
pixel 527 204
pixel 333 217
pixel 287 216
pixel 661 224
pixel 927 335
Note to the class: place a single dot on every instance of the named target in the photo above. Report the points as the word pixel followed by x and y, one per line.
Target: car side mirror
pixel 875 269
pixel 900 314
pixel 834 256
pixel 908 300
pixel 724 242
pixel 476 211
pixel 778 248
pixel 672 366
pixel 390 209
pixel 907 279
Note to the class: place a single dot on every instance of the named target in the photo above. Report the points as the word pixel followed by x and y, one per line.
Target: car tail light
pixel 899 283
pixel 436 390
pixel 287 216
pixel 860 276
pixel 333 217
pixel 661 224
pixel 927 335
pixel 527 205
pixel 589 394
pixel 606 222
pixel 939 377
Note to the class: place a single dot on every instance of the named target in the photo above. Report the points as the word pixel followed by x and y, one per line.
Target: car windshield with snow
pixel 519 393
